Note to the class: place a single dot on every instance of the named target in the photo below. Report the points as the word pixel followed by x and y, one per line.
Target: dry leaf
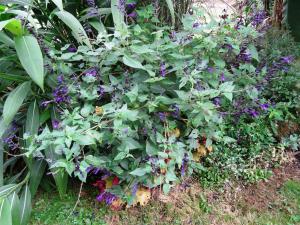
pixel 175 132
pixel 143 196
pixel 117 204
pixel 98 110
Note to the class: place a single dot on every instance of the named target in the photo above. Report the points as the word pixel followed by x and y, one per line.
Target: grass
pixel 187 208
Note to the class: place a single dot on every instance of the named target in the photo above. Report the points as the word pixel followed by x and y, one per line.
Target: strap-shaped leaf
pixel 118 16
pixel 13 77
pixel 14 101
pixel 25 206
pixel 24 14
pixel 20 2
pixel 36 174
pixel 6 189
pixel 5 213
pixel 30 55
pixel 6 40
pixel 32 119
pixel 76 27
pixel 59 4
pixel 172 11
pixel 15 208
pixel 12 25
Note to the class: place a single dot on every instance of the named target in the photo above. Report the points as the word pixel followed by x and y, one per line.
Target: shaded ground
pixel 275 201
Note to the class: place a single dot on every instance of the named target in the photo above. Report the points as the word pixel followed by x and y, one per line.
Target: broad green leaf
pixel 140 171
pixel 25 203
pixel 253 52
pixel 76 27
pixel 20 2
pixel 5 22
pixel 36 174
pixel 6 40
pixel 59 4
pixel 14 101
pixel 172 11
pixel 15 208
pixel 128 61
pixel 95 161
pixel 30 55
pixel 118 16
pixel 5 213
pixel 98 25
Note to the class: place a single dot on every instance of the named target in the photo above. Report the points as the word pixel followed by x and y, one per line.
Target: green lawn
pixel 188 208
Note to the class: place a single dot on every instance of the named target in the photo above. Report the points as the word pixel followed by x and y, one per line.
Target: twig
pixel 78 200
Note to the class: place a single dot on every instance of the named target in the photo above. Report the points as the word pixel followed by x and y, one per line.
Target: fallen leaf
pixel 143 196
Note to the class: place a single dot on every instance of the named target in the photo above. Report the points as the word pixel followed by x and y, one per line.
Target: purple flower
pixel 100 91
pixel 132 15
pixel 72 48
pixel 134 189
pixel 131 5
pixel 264 106
pixel 253 113
pixel 222 77
pixel 91 3
pixel 163 69
pixel 46 103
pixel 106 197
pixel 162 116
pixel 244 56
pixel 60 79
pixel 210 69
pixel 176 111
pixel 196 25
pixel 287 59
pixel 55 124
pixel 12 142
pixel 60 94
pixel 258 18
pixel 217 101
pixel 92 72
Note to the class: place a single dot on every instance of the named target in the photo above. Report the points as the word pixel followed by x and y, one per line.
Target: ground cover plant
pixel 124 101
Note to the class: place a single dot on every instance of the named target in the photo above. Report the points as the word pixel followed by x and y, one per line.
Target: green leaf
pixel 13 77
pixel 172 11
pixel 6 40
pixel 128 61
pixel 76 27
pixel 5 213
pixel 15 208
pixel 15 27
pixel 166 188
pixel 59 4
pixel 25 203
pixel 7 189
pixel 253 52
pixel 37 170
pixel 96 161
pixel 31 58
pixel 14 101
pixel 32 119
pixel 118 16
pixel 4 23
pixel 140 171
pixel 151 149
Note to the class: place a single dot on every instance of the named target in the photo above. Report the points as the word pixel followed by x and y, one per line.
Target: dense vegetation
pixel 115 94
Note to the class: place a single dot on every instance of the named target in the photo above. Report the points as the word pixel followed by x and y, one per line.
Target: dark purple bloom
pixel 264 106
pixel 210 69
pixel 92 72
pixel 163 69
pixel 131 5
pixel 199 87
pixel 132 15
pixel 185 161
pixel 100 91
pixel 258 18
pixel 253 113
pixel 106 197
pixel 287 59
pixel 244 56
pixel 60 79
pixel 60 94
pixel 72 48
pixel 46 103
pixel 55 124
pixel 91 3
pixel 134 189
pixel 222 77
pixel 217 101
pixel 162 116
pixel 196 25
pixel 176 111
pixel 12 142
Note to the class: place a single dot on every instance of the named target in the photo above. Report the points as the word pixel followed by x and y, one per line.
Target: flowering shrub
pixel 141 107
